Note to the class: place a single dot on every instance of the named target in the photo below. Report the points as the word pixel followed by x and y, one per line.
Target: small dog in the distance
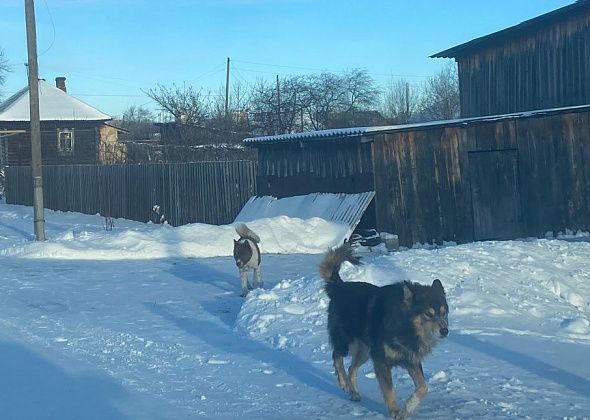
pixel 394 325
pixel 247 256
pixel 158 213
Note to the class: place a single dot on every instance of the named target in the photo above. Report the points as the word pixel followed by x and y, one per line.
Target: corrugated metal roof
pixel 535 23
pixel 342 208
pixel 369 131
pixel 54 105
pixel 324 134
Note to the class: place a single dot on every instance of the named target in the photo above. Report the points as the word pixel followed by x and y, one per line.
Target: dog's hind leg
pixel 417 375
pixel 343 381
pixel 360 354
pixel 383 373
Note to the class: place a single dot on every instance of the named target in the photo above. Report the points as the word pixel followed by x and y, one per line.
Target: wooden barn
pixel 72 132
pixel 541 63
pixel 517 164
pixel 500 177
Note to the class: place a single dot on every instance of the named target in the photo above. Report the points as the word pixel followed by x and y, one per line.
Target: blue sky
pixel 111 50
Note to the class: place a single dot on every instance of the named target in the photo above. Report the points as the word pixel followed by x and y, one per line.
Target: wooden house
pixel 72 132
pixel 500 177
pixel 541 63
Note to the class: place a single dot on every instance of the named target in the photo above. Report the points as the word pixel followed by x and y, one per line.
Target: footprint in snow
pixel 217 362
pixel 294 309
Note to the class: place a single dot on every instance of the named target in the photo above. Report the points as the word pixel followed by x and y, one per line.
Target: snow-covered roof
pixel 358 132
pixel 54 105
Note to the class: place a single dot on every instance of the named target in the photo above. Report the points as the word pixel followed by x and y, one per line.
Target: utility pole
pixel 36 168
pixel 280 131
pixel 407 100
pixel 227 90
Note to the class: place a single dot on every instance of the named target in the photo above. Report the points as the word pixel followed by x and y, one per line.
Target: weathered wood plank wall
pixel 204 192
pixel 18 148
pixel 288 169
pixel 423 179
pixel 546 69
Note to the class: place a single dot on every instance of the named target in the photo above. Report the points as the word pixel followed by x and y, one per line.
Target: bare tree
pixel 276 107
pixel 401 101
pixel 291 91
pixel 263 110
pixel 184 103
pixel 139 121
pixel 441 95
pixel 4 69
pixel 360 91
pixel 191 110
pixel 239 97
pixel 324 98
pixel 339 100
pixel 239 102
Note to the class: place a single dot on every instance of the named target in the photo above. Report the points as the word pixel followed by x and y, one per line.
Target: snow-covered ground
pixel 145 322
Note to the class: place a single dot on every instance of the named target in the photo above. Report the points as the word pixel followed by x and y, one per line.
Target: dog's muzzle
pixel 444 331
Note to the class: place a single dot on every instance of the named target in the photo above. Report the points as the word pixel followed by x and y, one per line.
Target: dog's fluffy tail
pixel 245 232
pixel 330 266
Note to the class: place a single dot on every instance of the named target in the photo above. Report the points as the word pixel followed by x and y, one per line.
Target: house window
pixel 65 141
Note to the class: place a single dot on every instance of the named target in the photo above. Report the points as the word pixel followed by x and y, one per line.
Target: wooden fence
pixel 197 192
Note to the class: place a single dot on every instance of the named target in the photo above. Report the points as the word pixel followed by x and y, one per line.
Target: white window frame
pixel 62 147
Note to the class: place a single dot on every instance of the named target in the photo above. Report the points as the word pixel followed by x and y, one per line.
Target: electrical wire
pixel 52 26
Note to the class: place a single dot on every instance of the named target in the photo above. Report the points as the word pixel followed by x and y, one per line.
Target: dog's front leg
pixel 257 277
pixel 417 375
pixel 244 280
pixel 383 373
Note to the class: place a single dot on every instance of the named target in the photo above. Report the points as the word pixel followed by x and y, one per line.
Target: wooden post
pixel 280 128
pixel 227 90
pixel 36 163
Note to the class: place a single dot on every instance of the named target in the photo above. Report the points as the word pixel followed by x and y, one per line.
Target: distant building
pixel 541 63
pixel 72 132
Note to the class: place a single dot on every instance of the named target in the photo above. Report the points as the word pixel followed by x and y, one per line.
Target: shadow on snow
pixel 33 388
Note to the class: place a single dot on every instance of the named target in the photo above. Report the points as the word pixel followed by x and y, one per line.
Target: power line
pixel 279 65
pixel 108 94
pixel 52 26
pixel 318 69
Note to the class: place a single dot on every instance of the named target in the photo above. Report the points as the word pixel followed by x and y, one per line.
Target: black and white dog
pixel 247 256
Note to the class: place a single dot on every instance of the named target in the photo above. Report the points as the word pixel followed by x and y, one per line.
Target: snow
pixel 144 322
pixel 344 209
pixel 54 105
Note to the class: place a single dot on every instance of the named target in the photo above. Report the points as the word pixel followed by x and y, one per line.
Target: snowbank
pixel 84 237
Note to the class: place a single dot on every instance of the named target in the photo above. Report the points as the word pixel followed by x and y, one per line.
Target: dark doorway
pixel 495 194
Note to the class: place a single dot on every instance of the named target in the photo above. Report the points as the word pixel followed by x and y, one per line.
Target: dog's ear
pixel 408 294
pixel 437 285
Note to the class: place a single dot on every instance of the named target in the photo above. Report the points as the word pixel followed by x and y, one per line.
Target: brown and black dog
pixel 394 325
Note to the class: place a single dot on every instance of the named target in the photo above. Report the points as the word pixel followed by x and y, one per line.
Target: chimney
pixel 60 83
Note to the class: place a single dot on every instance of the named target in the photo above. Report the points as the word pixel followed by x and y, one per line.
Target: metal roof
pixel 319 134
pixel 495 38
pixel 333 207
pixel 54 105
pixel 360 132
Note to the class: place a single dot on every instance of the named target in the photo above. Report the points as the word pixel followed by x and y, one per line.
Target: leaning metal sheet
pixel 339 207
